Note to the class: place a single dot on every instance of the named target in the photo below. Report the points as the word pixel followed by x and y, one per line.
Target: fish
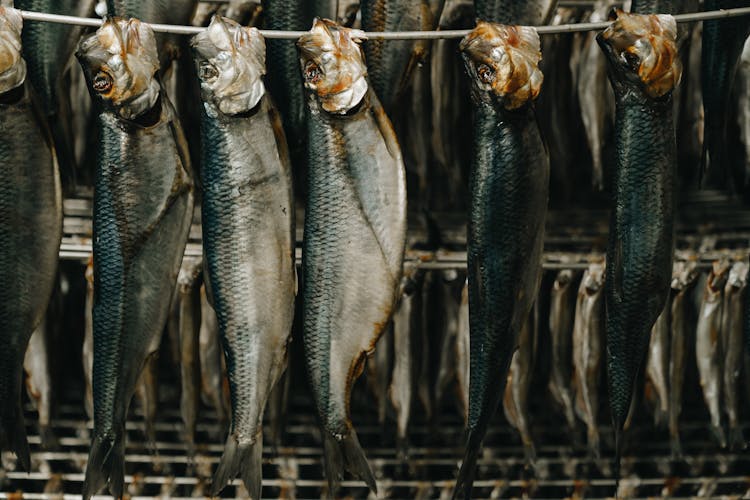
pixel 596 98
pixel 379 368
pixel 561 318
pixel 405 355
pixel 449 304
pixel 708 353
pixel 248 234
pixel 47 49
pixel 147 393
pixel 37 365
pixel 87 356
pixel 731 347
pixel 427 322
pixel 683 280
pixel 657 367
pixel 723 41
pixel 509 188
pixel 392 62
pixel 30 227
pixel 354 233
pixel 516 398
pixel 643 69
pixel 654 7
pixel 588 352
pixel 528 13
pixel 143 208
pixel 462 353
pixel 743 90
pixel 188 291
pixel 212 361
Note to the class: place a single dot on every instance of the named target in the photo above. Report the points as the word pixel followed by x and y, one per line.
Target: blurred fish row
pixel 332 135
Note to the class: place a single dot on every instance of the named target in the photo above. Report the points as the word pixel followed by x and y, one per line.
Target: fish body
pixel 732 348
pixel 516 398
pixel 391 62
pixel 588 343
pixel 463 350
pixel 522 12
pixel 87 356
pixel 449 286
pixel 509 190
pixel 723 41
pixel 212 361
pixel 30 228
pixel 657 367
pixel 248 234
pixel 143 206
pixel 354 236
pixel 683 280
pixel 37 365
pixel 641 240
pixel 743 87
pixel 708 351
pixel 379 368
pixel 561 322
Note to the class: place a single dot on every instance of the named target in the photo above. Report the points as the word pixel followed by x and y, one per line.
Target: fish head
pixel 333 65
pixel 642 49
pixel 563 279
pixel 503 63
pixel 120 63
pixel 737 275
pixel 12 64
pixel 231 62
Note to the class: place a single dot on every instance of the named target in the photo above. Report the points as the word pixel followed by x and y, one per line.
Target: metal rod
pixel 385 35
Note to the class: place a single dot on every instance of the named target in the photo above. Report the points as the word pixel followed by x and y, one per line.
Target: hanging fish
pixel 509 188
pixel 657 367
pixel 643 68
pixel 743 87
pixel 561 319
pixel 516 398
pixel 248 234
pixel 87 356
pixel 588 352
pixel 723 40
pixel 524 12
pixel 212 362
pixel 732 348
pixel 143 207
pixel 30 228
pixel 379 368
pixel 463 350
pixel 355 232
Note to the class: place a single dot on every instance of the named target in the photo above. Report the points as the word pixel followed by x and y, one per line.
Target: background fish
pixel 516 398
pixel 657 367
pixel 143 207
pixel 509 189
pixel 248 234
pixel 463 350
pixel 355 230
pixel 528 12
pixel 212 363
pixel 743 89
pixel 639 255
pixel 708 351
pixel 30 228
pixel 561 316
pixel 379 368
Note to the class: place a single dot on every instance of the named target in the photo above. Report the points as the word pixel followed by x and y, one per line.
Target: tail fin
pixel 13 435
pixel 465 481
pixel 106 466
pixel 346 453
pixel 243 459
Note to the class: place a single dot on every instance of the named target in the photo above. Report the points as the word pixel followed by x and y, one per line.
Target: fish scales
pixel 354 235
pixel 248 234
pixel 509 191
pixel 525 12
pixel 641 241
pixel 30 228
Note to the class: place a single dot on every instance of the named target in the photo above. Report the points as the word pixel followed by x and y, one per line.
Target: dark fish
pixel 683 281
pixel 509 187
pixel 657 367
pixel 248 234
pixel 708 353
pixel 355 231
pixel 525 12
pixel 391 62
pixel 723 41
pixel 643 68
pixel 449 287
pixel 654 7
pixel 30 228
pixel 516 399
pixel 561 317
pixel 588 352
pixel 143 206
pixel 731 346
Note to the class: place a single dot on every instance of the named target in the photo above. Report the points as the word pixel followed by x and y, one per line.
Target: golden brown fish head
pixel 231 62
pixel 120 63
pixel 333 65
pixel 503 61
pixel 643 49
pixel 12 65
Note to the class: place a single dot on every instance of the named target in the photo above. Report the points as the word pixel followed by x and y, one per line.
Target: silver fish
pixel 732 345
pixel 561 316
pixel 37 364
pixel 379 368
pixel 212 362
pixel 743 91
pixel 516 398
pixel 88 339
pixel 449 304
pixel 657 367
pixel 463 352
pixel 708 346
pixel 588 343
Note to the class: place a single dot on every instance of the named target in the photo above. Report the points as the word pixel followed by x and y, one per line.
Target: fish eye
pixel 631 60
pixel 208 72
pixel 312 72
pixel 102 82
pixel 485 73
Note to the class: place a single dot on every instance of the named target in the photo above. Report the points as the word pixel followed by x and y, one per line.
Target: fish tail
pixel 346 453
pixel 736 438
pixel 465 480
pixel 13 434
pixel 106 465
pixel 245 460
